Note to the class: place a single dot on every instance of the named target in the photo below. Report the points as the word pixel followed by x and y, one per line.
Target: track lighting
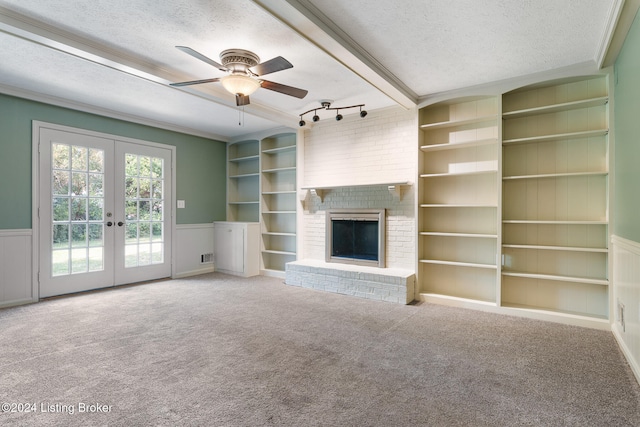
pixel 326 105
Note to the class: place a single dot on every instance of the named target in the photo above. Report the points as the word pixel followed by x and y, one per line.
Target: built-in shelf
pixel 459 264
pixel 271 251
pixel 278 202
pixel 471 235
pixel 456 123
pixel 455 205
pixel 458 145
pixel 556 137
pixel 462 173
pixel 244 175
pixel 279 149
pixel 275 233
pixel 554 108
pixel 556 175
pixel 558 248
pixel 276 170
pixel 278 212
pixel 557 278
pixel 555 313
pixel 244 158
pixel 568 222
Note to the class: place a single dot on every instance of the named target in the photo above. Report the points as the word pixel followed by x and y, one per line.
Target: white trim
pixel 607 36
pixel 35 189
pixel 198 272
pixel 16 232
pixel 194 226
pixel 629 245
pixel 104 112
pixel 634 248
pixel 635 367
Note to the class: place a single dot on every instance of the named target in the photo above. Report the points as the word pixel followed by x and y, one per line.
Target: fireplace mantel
pixel 395 188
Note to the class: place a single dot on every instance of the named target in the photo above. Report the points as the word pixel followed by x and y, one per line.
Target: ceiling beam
pixel 35 31
pixel 309 22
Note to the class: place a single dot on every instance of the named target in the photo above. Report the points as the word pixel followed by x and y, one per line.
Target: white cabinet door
pixel 229 247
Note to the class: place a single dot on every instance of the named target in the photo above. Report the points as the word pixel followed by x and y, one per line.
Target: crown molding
pixel 105 112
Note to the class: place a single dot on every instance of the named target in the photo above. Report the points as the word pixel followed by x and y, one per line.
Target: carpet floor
pixel 218 350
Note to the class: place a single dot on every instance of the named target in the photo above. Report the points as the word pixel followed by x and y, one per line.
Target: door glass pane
pixel 77 209
pixel 144 204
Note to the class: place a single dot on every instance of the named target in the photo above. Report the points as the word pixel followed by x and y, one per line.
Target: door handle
pixel 120 223
pixel 109 224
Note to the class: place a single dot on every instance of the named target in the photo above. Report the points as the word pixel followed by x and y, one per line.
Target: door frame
pixel 36 126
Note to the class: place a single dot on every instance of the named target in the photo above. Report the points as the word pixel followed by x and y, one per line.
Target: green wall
pixel 200 174
pixel 626 221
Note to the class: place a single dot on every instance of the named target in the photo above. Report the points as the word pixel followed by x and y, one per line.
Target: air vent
pixel 206 258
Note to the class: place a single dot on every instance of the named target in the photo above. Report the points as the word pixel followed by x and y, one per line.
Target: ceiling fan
pixel 244 68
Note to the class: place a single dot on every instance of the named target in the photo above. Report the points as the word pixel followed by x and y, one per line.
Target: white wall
pixel 192 241
pixel 626 290
pixel 380 148
pixel 16 286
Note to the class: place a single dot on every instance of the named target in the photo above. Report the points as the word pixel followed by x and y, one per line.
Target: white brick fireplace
pixel 359 164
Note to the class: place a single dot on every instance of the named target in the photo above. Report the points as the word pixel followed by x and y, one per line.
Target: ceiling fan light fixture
pixel 240 84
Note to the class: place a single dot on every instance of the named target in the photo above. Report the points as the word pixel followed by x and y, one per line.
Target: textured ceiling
pixel 117 57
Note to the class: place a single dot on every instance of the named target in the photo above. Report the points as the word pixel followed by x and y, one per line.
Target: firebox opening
pixel 356 237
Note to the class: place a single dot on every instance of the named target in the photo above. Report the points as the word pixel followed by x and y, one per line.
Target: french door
pixel 104 212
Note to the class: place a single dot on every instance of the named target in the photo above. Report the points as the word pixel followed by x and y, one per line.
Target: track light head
pixel 338 117
pixel 302 123
pixel 316 117
pixel 363 113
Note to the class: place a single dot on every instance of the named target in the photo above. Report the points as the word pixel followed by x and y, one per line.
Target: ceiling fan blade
pixel 287 90
pixel 195 82
pixel 242 100
pixel 201 57
pixel 271 66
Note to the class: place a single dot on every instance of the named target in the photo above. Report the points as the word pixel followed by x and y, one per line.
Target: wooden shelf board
pixel 469 173
pixel 556 175
pixel 553 312
pixel 279 212
pixel 274 252
pixel 245 158
pixel 245 175
pixel 565 106
pixel 557 248
pixel 270 193
pixel 572 279
pixel 552 222
pixel 458 145
pixel 432 297
pixel 448 234
pixel 248 202
pixel 279 149
pixel 459 264
pixel 453 205
pixel 559 136
pixel 276 170
pixel 456 123
pixel 278 233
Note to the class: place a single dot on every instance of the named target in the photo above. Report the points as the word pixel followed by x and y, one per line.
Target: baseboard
pixel 204 270
pixel 17 302
pixel 635 368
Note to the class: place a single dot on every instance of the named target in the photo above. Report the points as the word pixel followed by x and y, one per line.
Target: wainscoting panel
pixel 193 250
pixel 626 299
pixel 16 284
